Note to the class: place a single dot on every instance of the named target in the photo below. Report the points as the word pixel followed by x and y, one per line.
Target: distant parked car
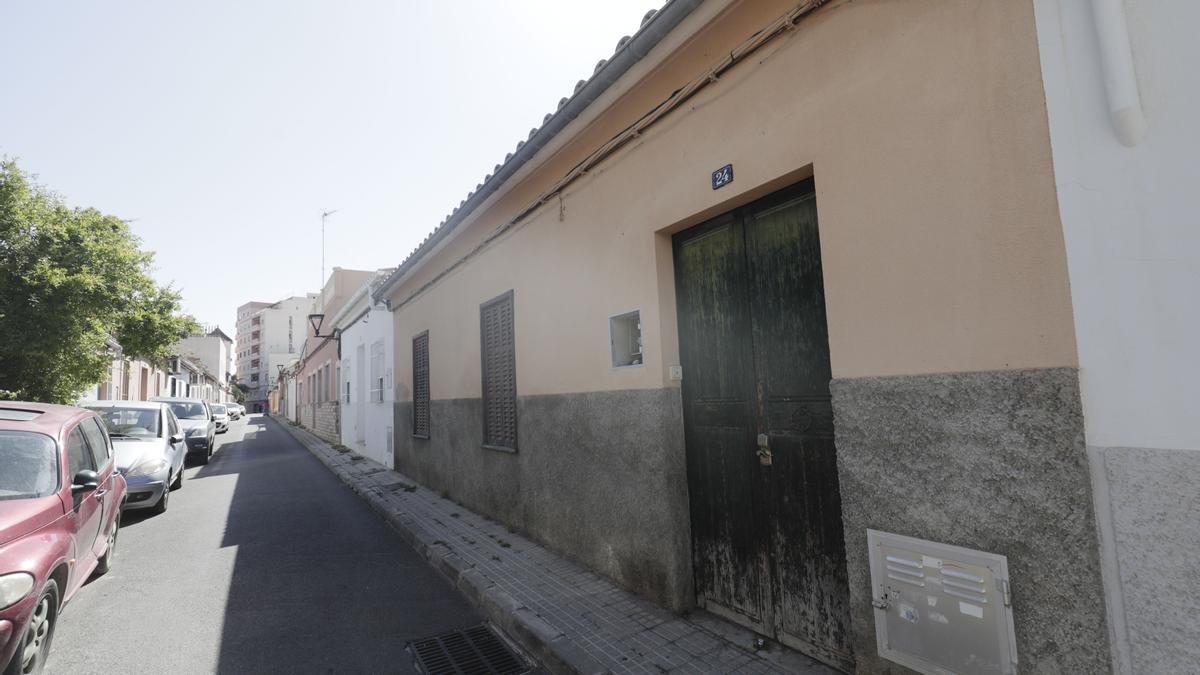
pixel 241 410
pixel 60 506
pixel 149 446
pixel 234 412
pixel 220 417
pixel 199 429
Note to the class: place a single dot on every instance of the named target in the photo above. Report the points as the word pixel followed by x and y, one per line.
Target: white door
pixel 360 393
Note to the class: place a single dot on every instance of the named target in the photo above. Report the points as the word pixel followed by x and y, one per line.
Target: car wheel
pixel 206 454
pixel 161 506
pixel 178 484
pixel 110 551
pixel 31 653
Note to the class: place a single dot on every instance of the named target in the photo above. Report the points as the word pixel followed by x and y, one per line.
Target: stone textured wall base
pixel 993 461
pixel 1155 521
pixel 598 477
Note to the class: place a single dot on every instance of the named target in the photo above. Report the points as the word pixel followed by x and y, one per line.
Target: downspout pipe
pixel 1120 79
pixel 663 22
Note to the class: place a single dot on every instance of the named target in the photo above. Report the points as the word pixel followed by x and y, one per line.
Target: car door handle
pixel 98 494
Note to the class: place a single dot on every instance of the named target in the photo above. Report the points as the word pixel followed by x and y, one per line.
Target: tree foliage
pixel 69 279
pixel 235 389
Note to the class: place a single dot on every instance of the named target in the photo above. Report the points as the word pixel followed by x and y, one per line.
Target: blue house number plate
pixel 722 176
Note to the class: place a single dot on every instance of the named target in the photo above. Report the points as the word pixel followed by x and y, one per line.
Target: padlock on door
pixel 764 450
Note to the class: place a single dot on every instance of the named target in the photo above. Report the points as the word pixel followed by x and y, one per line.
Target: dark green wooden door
pixel 767 538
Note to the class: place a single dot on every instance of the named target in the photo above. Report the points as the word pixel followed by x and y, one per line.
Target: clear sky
pixel 222 128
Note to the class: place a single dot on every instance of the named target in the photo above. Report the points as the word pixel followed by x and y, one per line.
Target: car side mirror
pixel 177 438
pixel 85 481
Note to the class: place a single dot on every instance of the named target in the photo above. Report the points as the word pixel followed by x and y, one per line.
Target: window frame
pixel 613 322
pixel 59 452
pixel 428 408
pixel 508 297
pixel 172 424
pixel 375 367
pixel 86 449
pixel 106 446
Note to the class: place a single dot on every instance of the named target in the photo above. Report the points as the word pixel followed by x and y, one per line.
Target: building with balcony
pixel 268 335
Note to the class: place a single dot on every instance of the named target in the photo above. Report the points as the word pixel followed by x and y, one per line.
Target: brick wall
pixel 326 424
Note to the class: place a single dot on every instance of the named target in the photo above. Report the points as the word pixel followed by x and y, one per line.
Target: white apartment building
pixel 214 350
pixel 269 335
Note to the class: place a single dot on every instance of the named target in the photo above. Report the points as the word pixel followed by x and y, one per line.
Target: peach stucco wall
pixel 924 125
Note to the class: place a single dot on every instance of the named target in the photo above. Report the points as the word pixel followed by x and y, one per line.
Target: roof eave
pixel 647 37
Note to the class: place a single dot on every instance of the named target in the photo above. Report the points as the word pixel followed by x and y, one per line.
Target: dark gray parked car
pixel 199 429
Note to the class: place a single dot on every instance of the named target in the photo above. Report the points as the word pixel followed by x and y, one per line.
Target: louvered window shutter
pixel 421 385
pixel 499 373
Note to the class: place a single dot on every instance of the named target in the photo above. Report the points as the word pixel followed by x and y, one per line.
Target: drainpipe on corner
pixel 1120 79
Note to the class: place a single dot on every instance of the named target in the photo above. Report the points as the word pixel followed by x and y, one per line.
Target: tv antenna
pixel 324 215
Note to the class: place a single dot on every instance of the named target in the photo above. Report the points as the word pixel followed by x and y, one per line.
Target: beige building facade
pixel 906 145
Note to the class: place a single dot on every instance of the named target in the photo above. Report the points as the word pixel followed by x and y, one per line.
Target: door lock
pixel 764 450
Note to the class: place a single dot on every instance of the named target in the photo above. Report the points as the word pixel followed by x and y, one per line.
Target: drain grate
pixel 466 652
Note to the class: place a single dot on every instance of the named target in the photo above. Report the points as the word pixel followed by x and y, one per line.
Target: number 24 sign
pixel 722 176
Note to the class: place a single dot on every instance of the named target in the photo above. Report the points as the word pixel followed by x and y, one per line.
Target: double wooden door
pixel 768 550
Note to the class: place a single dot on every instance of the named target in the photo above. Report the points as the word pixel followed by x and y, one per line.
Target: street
pixel 264 562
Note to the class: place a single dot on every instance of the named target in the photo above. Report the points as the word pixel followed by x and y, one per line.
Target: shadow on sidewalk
pixel 319 584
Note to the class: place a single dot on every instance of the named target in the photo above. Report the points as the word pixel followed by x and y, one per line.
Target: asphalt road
pixel 263 563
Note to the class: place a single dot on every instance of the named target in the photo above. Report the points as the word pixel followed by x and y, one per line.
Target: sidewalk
pixel 570 619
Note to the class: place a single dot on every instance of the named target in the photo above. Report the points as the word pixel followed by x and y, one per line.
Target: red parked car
pixel 60 505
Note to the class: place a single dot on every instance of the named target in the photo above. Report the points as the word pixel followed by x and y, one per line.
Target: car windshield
pixel 218 410
pixel 28 465
pixel 190 411
pixel 129 422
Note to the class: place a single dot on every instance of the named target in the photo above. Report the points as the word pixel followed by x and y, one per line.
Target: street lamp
pixel 316 321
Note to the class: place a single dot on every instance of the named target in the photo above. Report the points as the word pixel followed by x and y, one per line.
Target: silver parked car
pixel 149 448
pixel 220 417
pixel 234 411
pixel 196 419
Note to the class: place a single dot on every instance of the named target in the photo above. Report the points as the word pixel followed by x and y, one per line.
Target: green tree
pixel 70 277
pixel 239 395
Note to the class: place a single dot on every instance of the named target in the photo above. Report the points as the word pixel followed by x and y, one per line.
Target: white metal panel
pixel 941 609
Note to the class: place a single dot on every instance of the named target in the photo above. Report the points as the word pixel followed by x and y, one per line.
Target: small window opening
pixel 625 332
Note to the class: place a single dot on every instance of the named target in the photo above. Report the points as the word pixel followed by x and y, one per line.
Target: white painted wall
pixel 1131 220
pixel 280 336
pixel 1132 231
pixel 377 415
pixel 211 351
pixel 271 363
pixel 290 400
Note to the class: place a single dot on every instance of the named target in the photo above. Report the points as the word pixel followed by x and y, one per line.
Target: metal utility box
pixel 941 609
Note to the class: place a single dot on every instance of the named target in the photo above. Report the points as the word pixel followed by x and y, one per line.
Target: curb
pixel 555 651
